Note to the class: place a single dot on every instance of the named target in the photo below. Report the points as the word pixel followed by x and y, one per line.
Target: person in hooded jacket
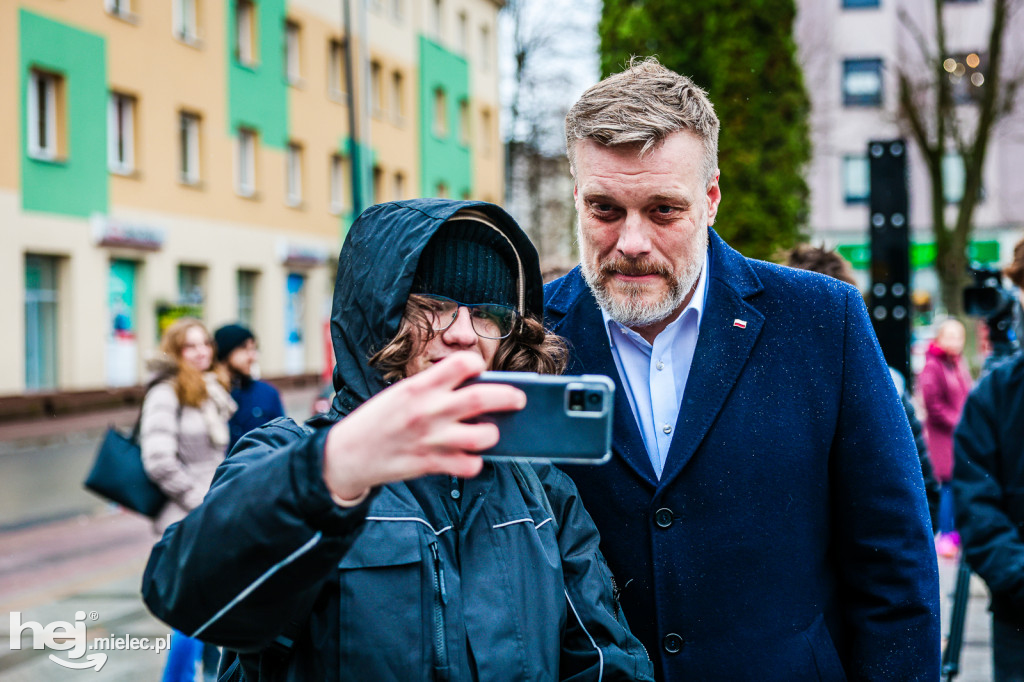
pixel 373 543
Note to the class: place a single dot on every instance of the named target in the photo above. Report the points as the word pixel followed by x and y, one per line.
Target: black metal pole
pixel 957 619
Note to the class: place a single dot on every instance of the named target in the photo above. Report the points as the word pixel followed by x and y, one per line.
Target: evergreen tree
pixel 743 53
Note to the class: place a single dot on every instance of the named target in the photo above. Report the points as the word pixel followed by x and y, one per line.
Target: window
pixel 245 30
pixel 436 19
pixel 440 113
pixel 245 163
pixel 247 283
pixel 851 4
pixel 442 191
pixel 188 147
pixel 121 133
pixel 376 87
pixel 397 97
pixel 862 82
pixel 44 90
pixel 186 27
pixel 293 174
pixel 856 179
pixel 485 46
pixel 338 185
pixel 397 9
pixel 41 321
pixel 191 285
pixel 119 8
pixel 966 73
pixel 463 32
pixel 378 185
pixel 464 123
pixel 399 187
pixel 485 131
pixel 336 69
pixel 291 52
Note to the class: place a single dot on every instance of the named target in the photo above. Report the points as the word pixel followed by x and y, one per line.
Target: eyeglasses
pixel 489 320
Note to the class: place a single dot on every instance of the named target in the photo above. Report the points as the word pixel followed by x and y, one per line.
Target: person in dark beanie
pixel 374 543
pixel 258 401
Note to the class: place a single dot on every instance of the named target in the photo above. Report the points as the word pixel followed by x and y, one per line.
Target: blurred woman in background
pixel 184 436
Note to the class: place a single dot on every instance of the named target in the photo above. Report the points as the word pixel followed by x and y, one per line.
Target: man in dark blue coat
pixel 764 513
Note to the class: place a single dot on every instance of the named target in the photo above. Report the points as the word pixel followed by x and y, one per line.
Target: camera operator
pixel 1015 272
pixel 988 484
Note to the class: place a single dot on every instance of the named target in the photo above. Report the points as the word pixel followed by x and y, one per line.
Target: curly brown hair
pixel 820 259
pixel 529 348
pixel 1015 270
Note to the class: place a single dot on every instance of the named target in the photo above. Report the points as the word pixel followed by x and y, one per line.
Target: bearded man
pixel 764 513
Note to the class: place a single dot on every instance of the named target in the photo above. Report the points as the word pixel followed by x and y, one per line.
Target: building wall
pixel 829 33
pixel 75 210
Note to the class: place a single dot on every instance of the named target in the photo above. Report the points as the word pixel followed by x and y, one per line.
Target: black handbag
pixel 118 475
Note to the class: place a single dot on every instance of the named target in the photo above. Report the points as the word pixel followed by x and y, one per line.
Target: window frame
pixel 49 148
pixel 336 198
pixel 856 199
pixel 245 162
pixel 185 21
pixel 121 133
pixel 851 66
pixel 336 69
pixel 189 132
pixel 439 124
pixel 292 52
pixel 245 33
pixel 293 174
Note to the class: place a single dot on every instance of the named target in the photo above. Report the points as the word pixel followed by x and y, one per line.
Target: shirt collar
pixel 696 304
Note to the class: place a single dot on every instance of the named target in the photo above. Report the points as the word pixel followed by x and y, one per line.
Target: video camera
pixel 988 299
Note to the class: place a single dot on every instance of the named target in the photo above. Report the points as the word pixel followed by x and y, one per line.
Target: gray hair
pixel 642 106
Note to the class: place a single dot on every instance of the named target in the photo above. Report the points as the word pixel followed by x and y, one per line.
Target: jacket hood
pixel 375 273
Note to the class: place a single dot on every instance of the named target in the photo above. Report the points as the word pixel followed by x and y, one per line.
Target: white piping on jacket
pixel 408 518
pixel 262 579
pixel 526 520
pixel 600 654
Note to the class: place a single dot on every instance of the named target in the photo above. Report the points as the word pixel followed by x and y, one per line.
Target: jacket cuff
pixel 316 504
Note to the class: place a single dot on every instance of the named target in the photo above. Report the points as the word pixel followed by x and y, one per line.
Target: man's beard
pixel 628 305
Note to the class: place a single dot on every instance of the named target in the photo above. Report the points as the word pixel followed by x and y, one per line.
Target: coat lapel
pixel 583 326
pixel 729 329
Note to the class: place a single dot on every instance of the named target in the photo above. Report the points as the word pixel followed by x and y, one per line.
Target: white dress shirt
pixel 654 376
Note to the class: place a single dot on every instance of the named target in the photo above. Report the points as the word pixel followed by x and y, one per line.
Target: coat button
pixel 672 643
pixel 663 517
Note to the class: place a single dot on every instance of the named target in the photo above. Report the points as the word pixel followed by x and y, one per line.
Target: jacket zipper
pixel 440 599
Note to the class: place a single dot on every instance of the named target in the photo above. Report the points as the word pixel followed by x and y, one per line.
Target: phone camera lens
pixel 577 401
pixel 594 399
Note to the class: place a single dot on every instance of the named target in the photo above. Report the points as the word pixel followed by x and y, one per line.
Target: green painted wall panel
pixel 78 184
pixel 443 160
pixel 258 94
pixel 922 254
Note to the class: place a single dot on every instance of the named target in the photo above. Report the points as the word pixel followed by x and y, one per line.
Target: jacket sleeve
pixel 992 543
pixel 158 439
pixel 257 552
pixel 884 553
pixel 597 643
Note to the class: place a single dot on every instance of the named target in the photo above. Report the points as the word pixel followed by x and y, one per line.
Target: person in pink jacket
pixel 944 384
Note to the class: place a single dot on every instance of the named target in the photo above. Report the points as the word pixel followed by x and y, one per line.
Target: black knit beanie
pixel 230 337
pixel 469 261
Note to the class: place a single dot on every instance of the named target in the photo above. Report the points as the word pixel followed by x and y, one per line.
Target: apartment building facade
pixel 850 51
pixel 169 157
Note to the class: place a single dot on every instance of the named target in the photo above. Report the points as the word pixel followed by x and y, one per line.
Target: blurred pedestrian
pixel 1015 273
pixel 988 482
pixel 944 384
pixel 828 262
pixel 258 402
pixel 184 436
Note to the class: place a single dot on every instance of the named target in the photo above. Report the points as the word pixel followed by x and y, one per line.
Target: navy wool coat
pixel 788 537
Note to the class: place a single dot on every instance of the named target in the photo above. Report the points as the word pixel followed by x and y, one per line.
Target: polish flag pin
pixel 742 324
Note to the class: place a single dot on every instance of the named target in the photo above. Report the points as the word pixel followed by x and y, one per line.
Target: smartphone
pixel 566 419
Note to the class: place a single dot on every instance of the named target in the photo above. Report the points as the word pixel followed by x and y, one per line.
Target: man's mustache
pixel 634 267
